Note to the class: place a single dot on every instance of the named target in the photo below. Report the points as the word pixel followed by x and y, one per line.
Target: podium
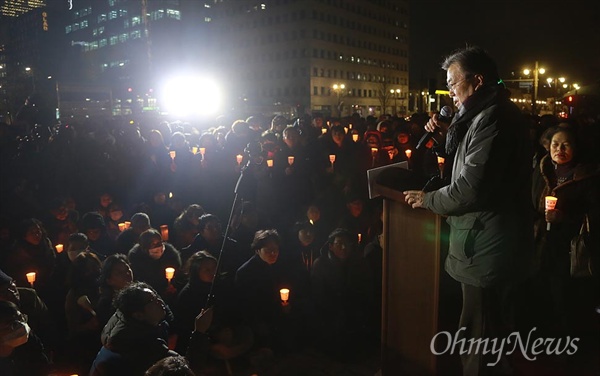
pixel 416 292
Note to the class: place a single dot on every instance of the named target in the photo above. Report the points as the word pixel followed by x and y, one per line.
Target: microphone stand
pixel 210 298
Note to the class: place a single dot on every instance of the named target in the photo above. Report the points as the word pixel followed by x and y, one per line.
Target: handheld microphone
pixel 445 116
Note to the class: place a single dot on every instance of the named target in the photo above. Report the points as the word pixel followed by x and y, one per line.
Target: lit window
pixel 84 24
pixel 102 43
pixel 95 32
pixel 101 30
pixel 122 12
pixel 114 40
pixel 94 45
pixel 68 29
pixel 172 13
pixel 207 19
pixel 135 21
pixel 76 26
pixel 123 38
pixel 135 34
pixel 101 18
pixel 112 15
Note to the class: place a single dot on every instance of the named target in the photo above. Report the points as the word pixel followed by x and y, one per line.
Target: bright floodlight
pixel 189 96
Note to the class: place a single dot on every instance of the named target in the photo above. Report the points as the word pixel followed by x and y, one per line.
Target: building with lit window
pixel 16 8
pixel 129 44
pixel 330 56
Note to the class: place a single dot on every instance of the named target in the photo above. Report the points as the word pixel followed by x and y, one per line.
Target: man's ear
pixel 478 81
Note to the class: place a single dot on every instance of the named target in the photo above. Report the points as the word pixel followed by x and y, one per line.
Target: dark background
pixel 563 36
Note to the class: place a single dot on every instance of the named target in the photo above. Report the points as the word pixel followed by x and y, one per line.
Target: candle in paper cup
pixel 441 160
pixel 172 153
pixel 239 158
pixel 359 237
pixel 269 162
pixel 122 226
pixel 355 137
pixel 408 153
pixel 550 205
pixel 30 277
pixel 391 154
pixel 195 150
pixel 323 130
pixel 169 272
pixel 164 232
pixel 291 160
pixel 285 295
pixel 374 151
pixel 59 248
pixel 345 130
pixel 331 158
pixel 127 224
pixel 202 151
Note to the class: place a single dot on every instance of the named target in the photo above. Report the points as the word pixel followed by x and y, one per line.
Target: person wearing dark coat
pixel 21 351
pixel 575 181
pixel 140 222
pixel 135 336
pixel 150 258
pixel 488 200
pixel 342 289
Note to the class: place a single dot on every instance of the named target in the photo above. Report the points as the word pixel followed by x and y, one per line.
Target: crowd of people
pixel 239 210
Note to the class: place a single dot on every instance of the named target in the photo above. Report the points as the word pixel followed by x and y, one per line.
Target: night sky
pixel 563 36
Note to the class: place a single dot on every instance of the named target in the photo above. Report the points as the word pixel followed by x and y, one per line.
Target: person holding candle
pixel 574 179
pixel 140 222
pixel 342 288
pixel 150 257
pixel 185 225
pixel 487 201
pixel 92 224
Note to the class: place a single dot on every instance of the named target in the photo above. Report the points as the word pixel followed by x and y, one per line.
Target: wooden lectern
pixel 413 279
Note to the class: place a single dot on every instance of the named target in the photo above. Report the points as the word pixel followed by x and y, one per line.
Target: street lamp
pixel 536 72
pixel 339 90
pixel 555 81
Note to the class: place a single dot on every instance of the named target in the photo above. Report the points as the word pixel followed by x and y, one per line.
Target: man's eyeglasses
pixel 451 86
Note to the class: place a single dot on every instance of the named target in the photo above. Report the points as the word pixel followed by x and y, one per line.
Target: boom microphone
pixel 445 116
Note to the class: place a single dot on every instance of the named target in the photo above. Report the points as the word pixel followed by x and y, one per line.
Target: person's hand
pixel 203 320
pixel 553 216
pixel 414 198
pixel 434 124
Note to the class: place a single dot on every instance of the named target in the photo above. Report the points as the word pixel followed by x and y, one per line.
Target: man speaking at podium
pixel 486 201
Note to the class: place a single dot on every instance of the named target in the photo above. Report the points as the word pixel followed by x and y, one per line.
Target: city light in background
pixel 190 96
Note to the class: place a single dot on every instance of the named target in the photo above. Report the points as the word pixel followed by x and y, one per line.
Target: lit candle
pixel 374 151
pixel 195 150
pixel 127 224
pixel 550 205
pixel 164 232
pixel 350 125
pixel 170 194
pixel 269 162
pixel 355 137
pixel 291 160
pixel 391 154
pixel 345 130
pixel 202 151
pixel 359 237
pixel 332 158
pixel 239 158
pixel 169 272
pixel 285 295
pixel 441 160
pixel 408 153
pixel 311 221
pixel 59 248
pixel 172 153
pixel 30 277
pixel 323 130
pixel 122 226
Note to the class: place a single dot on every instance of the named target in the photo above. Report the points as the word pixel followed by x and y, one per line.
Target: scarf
pixel 477 102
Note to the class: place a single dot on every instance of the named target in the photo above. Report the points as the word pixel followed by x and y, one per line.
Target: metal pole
pixel 535 89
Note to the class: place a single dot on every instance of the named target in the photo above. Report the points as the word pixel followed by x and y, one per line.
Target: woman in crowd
pixel 115 275
pixel 575 181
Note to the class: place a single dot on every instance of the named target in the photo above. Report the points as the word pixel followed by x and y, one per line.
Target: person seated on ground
pixel 257 285
pixel 116 215
pixel 115 275
pixel 93 226
pixel 171 366
pixel 149 259
pixel 342 290
pixel 30 304
pixel 210 238
pixel 135 336
pixel 140 222
pixel 185 226
pixel 229 338
pixel 21 351
pixel 80 311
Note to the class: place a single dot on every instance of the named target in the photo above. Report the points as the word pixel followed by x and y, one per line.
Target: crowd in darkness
pixel 251 206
